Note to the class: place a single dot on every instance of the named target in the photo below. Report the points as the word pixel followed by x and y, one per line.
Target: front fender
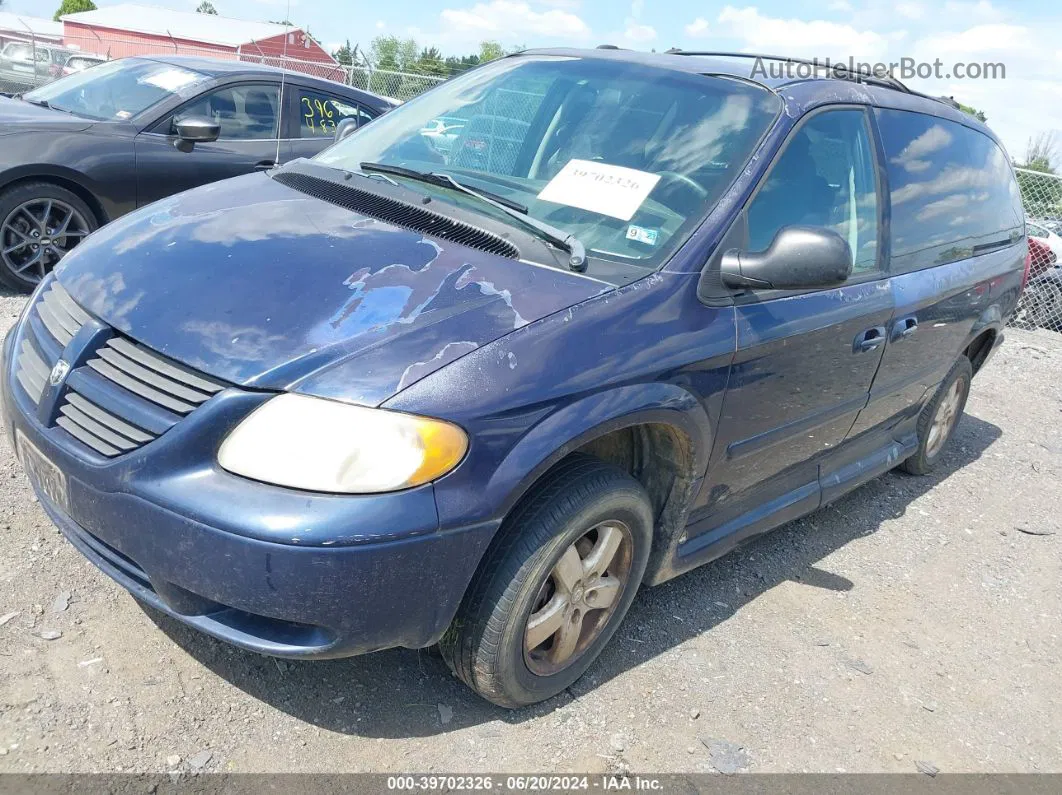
pixel 491 481
pixel 584 420
pixel 99 167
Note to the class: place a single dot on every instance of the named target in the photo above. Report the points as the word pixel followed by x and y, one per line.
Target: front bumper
pixel 281 572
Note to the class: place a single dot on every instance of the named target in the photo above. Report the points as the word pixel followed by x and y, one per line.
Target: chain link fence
pixel 28 61
pixel 1040 306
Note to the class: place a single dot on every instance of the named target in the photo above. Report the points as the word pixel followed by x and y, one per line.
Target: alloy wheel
pixel 578 597
pixel 944 421
pixel 37 234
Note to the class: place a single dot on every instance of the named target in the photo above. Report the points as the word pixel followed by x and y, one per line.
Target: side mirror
pixel 193 130
pixel 799 258
pixel 345 128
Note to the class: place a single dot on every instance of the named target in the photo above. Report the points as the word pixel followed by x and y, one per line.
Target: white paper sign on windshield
pixel 170 79
pixel 616 191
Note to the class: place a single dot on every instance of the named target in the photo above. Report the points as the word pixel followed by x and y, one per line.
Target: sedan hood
pixel 259 285
pixel 19 116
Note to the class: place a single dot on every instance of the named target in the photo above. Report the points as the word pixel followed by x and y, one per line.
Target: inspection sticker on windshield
pixel 600 188
pixel 642 235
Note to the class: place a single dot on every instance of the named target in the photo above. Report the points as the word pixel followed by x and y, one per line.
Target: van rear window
pixel 953 190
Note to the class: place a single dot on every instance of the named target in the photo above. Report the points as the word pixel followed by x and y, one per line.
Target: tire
pixel 950 397
pixel 15 226
pixel 576 506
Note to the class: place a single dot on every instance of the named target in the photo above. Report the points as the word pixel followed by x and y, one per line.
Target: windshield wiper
pixel 442 180
pixel 559 238
pixel 40 103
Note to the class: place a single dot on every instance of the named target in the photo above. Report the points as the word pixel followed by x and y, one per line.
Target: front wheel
pixel 39 224
pixel 937 422
pixel 554 586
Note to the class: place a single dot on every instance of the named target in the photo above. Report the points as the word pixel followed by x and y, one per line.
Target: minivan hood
pixel 19 116
pixel 260 285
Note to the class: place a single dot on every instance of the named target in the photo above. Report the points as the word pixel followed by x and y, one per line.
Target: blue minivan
pixel 641 308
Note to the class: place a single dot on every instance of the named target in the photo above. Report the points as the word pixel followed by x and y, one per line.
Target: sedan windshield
pixel 117 90
pixel 625 157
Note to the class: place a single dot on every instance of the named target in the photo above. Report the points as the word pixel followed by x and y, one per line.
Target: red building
pixel 123 30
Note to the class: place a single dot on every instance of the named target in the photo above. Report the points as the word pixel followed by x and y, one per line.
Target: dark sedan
pixel 90 147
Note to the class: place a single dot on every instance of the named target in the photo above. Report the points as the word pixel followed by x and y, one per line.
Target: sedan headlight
pixel 322 445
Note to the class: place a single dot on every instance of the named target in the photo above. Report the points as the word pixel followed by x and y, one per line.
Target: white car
pixel 1045 236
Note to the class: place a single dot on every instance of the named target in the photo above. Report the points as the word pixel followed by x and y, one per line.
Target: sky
pixel 1025 37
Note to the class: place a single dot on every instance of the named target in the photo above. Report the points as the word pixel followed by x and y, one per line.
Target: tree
pixel 393 54
pixel 490 51
pixel 73 7
pixel 206 7
pixel 455 65
pixel 430 62
pixel 977 114
pixel 347 55
pixel 1041 152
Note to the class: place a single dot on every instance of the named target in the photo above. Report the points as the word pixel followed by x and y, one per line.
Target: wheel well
pixel 78 190
pixel 978 350
pixel 661 458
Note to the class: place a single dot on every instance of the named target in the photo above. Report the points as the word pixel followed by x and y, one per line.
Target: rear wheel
pixel 39 224
pixel 554 586
pixel 937 422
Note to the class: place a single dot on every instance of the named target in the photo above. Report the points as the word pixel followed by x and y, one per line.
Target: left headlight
pixel 321 445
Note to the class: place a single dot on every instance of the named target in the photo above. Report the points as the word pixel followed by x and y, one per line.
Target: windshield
pixel 627 158
pixel 117 90
pixel 18 52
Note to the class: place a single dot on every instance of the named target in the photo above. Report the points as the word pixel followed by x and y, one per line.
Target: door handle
pixel 869 340
pixel 264 165
pixel 904 327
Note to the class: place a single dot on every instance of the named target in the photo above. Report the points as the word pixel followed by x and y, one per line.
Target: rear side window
pixel 952 190
pixel 320 113
pixel 824 177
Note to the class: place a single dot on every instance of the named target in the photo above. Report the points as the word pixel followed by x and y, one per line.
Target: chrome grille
pixel 153 377
pixel 99 429
pixel 52 322
pixel 124 396
pixel 32 371
pixel 61 316
pixel 152 395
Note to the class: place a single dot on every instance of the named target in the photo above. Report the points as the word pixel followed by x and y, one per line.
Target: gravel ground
pixel 914 623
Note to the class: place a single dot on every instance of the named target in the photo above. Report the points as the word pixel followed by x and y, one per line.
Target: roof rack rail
pixel 885 81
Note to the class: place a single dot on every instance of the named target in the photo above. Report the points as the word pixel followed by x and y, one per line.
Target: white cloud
pixel 636 8
pixel 910 10
pixel 1028 101
pixel 697 28
pixel 982 11
pixel 638 33
pixel 380 24
pixel 508 21
pixel 1025 103
pixel 912 157
pixel 815 38
pixel 981 39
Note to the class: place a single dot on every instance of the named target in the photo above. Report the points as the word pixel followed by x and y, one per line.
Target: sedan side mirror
pixel 799 258
pixel 345 128
pixel 193 130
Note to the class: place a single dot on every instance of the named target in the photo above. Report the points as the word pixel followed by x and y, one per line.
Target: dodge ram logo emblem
pixel 58 373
